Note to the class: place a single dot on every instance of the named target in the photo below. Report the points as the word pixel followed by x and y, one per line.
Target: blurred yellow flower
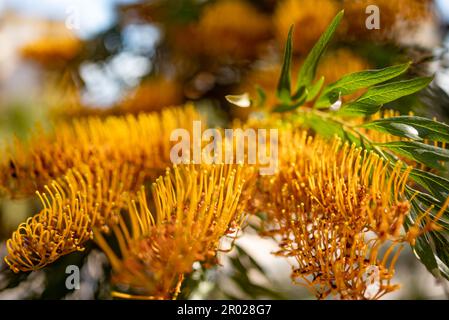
pixel 395 17
pixel 142 141
pixel 54 50
pixel 310 18
pixel 231 29
pixel 153 95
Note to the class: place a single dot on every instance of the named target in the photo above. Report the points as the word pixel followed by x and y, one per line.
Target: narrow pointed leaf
pixel 284 85
pixel 416 128
pixel 436 185
pixel 375 97
pixel 420 152
pixel 308 70
pixel 353 82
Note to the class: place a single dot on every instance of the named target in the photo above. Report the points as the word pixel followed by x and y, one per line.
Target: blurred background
pixel 75 58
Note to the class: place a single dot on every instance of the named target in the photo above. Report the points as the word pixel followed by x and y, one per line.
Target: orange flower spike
pixel 72 208
pixel 325 202
pixel 141 141
pixel 195 206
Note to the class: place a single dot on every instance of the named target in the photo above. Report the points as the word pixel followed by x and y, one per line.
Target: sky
pixel 443 6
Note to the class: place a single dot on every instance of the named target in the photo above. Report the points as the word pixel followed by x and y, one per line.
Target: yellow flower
pixel 153 95
pixel 333 207
pixel 232 29
pixel 53 50
pixel 395 17
pixel 311 18
pixel 142 141
pixel 72 207
pixel 194 207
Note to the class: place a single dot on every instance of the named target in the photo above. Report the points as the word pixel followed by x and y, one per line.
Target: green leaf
pixel 441 244
pixel 375 97
pixel 420 152
pixel 424 252
pixel 425 201
pixel 431 248
pixel 436 185
pixel 416 128
pixel 300 93
pixel 284 85
pixel 308 70
pixel 353 82
pixel 315 89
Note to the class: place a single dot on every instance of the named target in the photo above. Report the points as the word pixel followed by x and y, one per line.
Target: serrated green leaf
pixel 359 80
pixel 416 128
pixel 420 152
pixel 283 91
pixel 308 69
pixel 375 97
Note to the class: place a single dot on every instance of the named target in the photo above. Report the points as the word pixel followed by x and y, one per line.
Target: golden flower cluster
pixel 153 95
pixel 52 51
pixel 232 28
pixel 333 208
pixel 228 29
pixel 310 18
pixel 142 141
pixel 194 207
pixel 394 17
pixel 72 207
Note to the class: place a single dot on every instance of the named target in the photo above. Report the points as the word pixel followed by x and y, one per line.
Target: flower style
pixel 142 141
pixel 194 207
pixel 72 207
pixel 333 207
